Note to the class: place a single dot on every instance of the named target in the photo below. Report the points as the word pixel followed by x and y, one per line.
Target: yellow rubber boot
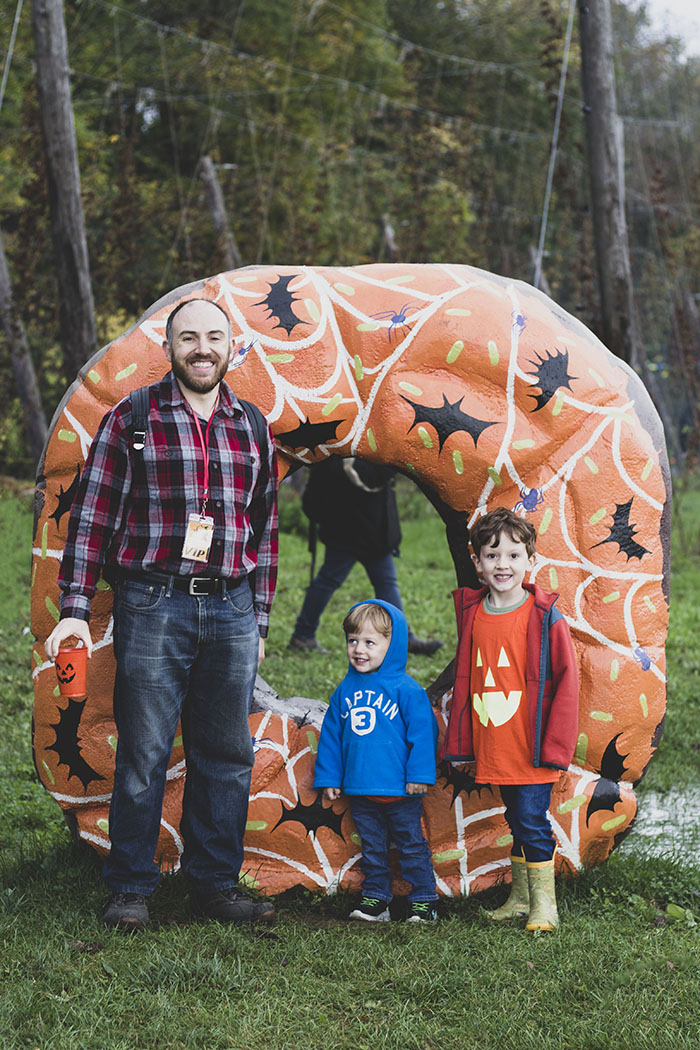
pixel 518 903
pixel 543 902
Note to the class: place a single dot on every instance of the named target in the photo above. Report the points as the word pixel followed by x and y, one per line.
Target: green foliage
pixel 292 519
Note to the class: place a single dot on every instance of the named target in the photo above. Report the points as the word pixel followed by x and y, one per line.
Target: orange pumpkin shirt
pixel 500 724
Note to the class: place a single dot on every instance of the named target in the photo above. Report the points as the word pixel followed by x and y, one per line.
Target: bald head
pixel 198 346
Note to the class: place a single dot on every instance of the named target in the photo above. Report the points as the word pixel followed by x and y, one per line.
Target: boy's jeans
pixel 194 659
pixel 526 813
pixel 378 823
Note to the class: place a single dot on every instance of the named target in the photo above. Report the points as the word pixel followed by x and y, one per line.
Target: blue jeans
pixel 337 566
pixel 378 823
pixel 526 813
pixel 194 659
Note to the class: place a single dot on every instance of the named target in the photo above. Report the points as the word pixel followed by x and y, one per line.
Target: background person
pixel 353 504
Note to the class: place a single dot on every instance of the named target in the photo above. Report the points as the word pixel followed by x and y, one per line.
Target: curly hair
pixel 487 531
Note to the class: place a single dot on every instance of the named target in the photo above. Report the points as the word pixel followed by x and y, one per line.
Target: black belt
pixel 196 585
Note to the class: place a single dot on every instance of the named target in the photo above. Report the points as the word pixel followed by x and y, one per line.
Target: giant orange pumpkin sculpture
pixel 486 393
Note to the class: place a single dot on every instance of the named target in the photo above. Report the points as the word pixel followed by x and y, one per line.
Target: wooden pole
pixel 217 207
pixel 77 311
pixel 606 162
pixel 22 365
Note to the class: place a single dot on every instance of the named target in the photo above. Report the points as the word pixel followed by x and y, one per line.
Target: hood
pixel 394 663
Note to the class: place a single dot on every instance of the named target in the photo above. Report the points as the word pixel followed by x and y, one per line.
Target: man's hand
pixel 261 651
pixel 416 789
pixel 64 629
pixel 331 794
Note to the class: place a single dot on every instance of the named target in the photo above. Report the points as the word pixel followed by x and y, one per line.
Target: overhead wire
pixel 555 142
pixel 10 52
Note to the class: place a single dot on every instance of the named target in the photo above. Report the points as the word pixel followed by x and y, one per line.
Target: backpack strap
pixel 259 424
pixel 257 421
pixel 140 407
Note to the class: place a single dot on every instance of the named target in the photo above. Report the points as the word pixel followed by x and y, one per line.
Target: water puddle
pixel 667 825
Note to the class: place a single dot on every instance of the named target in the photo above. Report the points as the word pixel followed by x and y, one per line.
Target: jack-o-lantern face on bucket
pixel 65 674
pixel 488 395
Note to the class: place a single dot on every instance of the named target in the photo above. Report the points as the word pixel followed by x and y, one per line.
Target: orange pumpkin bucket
pixel 71 671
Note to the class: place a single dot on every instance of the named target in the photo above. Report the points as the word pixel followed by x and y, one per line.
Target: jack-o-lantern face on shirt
pixel 493 704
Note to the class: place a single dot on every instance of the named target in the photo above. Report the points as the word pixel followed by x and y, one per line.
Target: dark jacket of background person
pixel 353 504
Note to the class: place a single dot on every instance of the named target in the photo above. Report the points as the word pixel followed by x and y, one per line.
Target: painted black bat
pixel 279 302
pixel 313 817
pixel 622 532
pixel 67 745
pixel 310 435
pixel 606 793
pixel 447 419
pixel 459 780
pixel 551 372
pixel 65 499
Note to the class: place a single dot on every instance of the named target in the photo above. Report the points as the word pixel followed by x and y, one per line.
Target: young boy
pixel 377 745
pixel 515 703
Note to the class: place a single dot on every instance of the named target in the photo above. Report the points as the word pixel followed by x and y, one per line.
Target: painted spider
pixel 398 319
pixel 642 656
pixel 239 355
pixel 529 500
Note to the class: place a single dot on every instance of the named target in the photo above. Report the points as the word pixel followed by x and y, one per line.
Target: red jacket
pixel 551 688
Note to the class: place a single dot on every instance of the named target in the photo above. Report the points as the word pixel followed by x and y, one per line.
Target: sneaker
pixel 232 905
pixel 424 646
pixel 371 910
pixel 422 911
pixel 126 911
pixel 305 645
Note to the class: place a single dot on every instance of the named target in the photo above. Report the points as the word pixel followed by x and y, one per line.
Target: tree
pixel 70 246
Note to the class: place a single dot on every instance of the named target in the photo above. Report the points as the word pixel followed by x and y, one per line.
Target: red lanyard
pixel 204 442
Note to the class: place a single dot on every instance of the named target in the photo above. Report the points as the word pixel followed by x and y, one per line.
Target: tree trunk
pixel 77 311
pixel 606 161
pixel 217 207
pixel 22 365
pixel 687 352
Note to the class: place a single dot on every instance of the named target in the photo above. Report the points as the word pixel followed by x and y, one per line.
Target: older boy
pixel 515 703
pixel 377 744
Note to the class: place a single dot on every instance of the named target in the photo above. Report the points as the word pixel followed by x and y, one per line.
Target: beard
pixel 190 379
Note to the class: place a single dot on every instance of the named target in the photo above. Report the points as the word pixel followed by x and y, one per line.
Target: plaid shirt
pixel 132 508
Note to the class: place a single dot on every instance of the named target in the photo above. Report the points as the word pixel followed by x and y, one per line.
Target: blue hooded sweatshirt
pixel 379 732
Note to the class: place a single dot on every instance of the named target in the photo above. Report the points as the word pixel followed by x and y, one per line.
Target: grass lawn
pixel 620 972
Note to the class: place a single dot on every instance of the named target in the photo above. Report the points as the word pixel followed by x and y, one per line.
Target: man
pixel 186 530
